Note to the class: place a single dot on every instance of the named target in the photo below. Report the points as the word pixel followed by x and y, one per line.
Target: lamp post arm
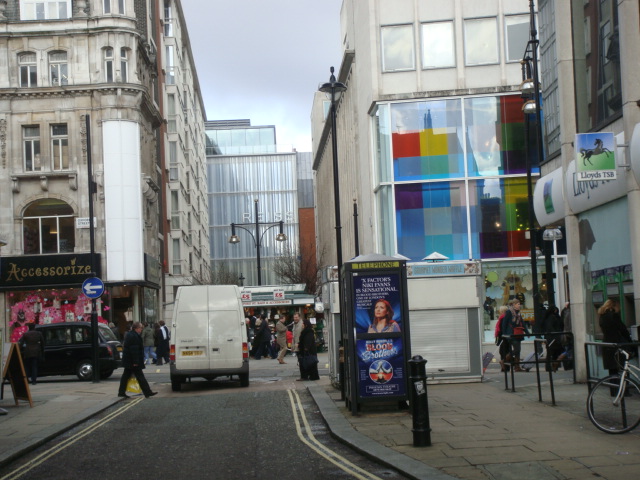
pixel 239 225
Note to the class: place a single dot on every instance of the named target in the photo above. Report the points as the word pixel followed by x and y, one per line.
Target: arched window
pixel 47 227
pixel 28 69
pixel 58 68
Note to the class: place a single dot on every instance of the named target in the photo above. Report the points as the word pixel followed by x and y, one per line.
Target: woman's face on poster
pixel 380 310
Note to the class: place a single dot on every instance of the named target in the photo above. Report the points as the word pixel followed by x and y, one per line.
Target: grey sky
pixel 264 59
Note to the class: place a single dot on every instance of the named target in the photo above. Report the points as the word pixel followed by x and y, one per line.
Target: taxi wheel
pixel 84 370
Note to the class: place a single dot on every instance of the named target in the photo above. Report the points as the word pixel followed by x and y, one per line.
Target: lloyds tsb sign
pixel 44 270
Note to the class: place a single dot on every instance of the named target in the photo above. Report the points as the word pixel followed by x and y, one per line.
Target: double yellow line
pixel 27 467
pixel 307 437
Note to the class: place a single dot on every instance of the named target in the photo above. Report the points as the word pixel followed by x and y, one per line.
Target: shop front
pixel 43 290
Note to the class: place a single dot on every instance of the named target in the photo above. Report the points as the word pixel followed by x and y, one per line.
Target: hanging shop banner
pixel 381 367
pixel 595 156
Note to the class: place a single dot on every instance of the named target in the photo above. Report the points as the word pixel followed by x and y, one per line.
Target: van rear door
pixel 192 327
pixel 226 327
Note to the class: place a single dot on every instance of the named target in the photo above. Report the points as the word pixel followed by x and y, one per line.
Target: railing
pixel 547 360
pixel 589 346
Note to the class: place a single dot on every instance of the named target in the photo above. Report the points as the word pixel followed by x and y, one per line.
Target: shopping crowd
pixel 277 337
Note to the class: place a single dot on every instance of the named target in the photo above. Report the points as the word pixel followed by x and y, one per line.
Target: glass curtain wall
pixel 234 184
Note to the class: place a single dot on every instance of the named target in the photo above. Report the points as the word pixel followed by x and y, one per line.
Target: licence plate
pixel 191 353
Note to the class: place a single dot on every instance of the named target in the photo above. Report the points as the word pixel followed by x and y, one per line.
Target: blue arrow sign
pixel 92 287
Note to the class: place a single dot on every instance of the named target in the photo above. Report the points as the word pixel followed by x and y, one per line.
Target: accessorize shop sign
pixel 45 270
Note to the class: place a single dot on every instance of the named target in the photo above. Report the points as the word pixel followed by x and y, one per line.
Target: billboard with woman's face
pixel 377 303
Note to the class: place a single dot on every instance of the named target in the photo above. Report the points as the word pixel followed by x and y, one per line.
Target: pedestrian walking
pixel 514 328
pixel 263 337
pixel 281 338
pixel 149 343
pixel 613 331
pixel 133 362
pixel 307 353
pixel 163 335
pixel 32 343
pixel 296 330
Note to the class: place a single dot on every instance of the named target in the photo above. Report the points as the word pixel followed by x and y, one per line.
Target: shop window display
pixel 49 306
pixel 503 282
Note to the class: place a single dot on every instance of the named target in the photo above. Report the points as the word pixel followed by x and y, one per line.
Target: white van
pixel 208 335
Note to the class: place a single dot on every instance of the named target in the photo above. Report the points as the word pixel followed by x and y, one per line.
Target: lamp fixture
pixel 530 107
pixel 551 234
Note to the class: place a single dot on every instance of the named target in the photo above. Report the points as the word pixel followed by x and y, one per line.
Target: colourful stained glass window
pixel 495 134
pixel 447 151
pixel 427 140
pixel 432 217
pixel 499 217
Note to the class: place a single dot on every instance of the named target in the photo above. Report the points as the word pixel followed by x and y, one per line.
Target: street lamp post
pixel 531 93
pixel 257 238
pixel 334 89
pixel 550 236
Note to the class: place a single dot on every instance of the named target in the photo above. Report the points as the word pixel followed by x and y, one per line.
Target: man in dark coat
pixel 133 362
pixel 33 343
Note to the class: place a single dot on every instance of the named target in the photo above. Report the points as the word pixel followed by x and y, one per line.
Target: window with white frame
pixel 177 264
pixel 59 147
pixel 28 69
pixel 175 210
pixel 47 227
pixel 481 41
pixel 31 148
pixel 171 113
pixel 516 29
pixel 397 48
pixel 171 68
pixel 58 68
pixel 108 64
pixel 124 65
pixel 113 6
pixel 173 161
pixel 438 45
pixel 45 9
pixel 168 19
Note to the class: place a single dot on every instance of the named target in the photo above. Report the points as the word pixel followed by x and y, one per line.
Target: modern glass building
pixel 243 167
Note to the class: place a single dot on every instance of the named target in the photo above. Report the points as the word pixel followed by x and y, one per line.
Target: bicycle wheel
pixel 612 418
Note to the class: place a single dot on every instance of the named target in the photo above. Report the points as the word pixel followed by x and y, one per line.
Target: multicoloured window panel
pixel 432 217
pixel 430 139
pixel 427 140
pixel 495 129
pixel 459 169
pixel 499 217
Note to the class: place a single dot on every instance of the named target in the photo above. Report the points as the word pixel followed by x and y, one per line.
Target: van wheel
pixel 84 370
pixel 176 384
pixel 244 380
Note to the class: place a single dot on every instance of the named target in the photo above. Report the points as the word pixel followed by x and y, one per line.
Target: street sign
pixel 92 287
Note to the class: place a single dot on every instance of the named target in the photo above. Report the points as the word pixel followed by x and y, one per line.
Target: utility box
pixel 375 330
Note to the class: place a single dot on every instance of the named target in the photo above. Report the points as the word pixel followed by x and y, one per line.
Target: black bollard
pixel 419 402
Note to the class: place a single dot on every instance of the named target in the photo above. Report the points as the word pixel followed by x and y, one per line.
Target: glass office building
pixel 243 167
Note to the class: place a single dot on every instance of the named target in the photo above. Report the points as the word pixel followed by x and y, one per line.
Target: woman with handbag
pixel 307 353
pixel 513 327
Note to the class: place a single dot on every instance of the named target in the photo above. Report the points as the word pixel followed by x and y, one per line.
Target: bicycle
pixel 613 404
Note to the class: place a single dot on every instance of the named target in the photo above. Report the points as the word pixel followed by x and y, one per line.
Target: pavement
pixel 478 430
